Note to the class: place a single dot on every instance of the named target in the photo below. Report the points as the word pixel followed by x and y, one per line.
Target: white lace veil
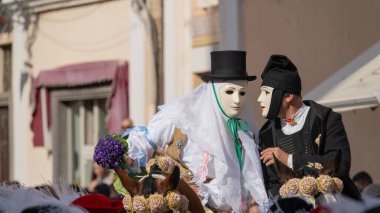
pixel 198 115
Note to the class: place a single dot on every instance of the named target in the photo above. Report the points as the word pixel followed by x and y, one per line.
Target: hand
pixel 254 207
pixel 128 161
pixel 267 156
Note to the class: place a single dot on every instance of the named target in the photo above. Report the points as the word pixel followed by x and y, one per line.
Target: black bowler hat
pixel 228 65
pixel 281 73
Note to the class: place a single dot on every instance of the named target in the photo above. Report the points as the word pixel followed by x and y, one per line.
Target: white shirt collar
pixel 299 117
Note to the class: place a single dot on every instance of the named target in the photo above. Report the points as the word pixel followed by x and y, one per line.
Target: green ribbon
pixel 233 125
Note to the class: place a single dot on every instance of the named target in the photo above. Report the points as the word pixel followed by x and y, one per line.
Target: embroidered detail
pixel 291 121
pixel 318 140
pixel 317 166
pixel 156 203
pixel 310 186
pixel 179 144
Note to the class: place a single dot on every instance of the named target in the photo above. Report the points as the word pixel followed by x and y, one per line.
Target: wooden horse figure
pixel 159 193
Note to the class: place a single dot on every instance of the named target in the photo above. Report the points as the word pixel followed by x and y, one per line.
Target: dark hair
pixel 308 171
pixel 149 186
pixel 103 189
pixel 362 176
pixel 155 169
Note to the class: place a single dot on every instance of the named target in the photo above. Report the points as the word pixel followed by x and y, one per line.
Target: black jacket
pixel 324 122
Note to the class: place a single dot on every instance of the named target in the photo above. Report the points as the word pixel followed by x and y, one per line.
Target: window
pixel 85 122
pixel 6 68
pixel 4 143
pixel 78 120
pixel 5 88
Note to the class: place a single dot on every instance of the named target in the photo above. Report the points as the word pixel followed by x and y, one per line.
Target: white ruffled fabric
pixel 17 199
pixel 348 205
pixel 199 117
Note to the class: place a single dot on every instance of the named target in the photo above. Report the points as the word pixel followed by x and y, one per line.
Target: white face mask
pixel 265 99
pixel 233 96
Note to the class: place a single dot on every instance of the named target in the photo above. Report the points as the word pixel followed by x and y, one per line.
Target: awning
pixel 355 86
pixel 85 74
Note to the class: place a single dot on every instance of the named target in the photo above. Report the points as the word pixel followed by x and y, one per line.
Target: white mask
pixel 265 99
pixel 233 95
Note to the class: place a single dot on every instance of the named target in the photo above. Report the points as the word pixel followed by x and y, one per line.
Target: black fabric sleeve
pixel 272 184
pixel 335 139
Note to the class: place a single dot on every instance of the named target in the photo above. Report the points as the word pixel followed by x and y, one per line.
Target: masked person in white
pixel 220 149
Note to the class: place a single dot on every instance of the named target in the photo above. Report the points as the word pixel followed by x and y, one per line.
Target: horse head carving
pixel 159 192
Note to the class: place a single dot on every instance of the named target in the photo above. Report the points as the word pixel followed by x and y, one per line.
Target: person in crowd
pixel 100 176
pixel 103 189
pixel 362 179
pixel 126 123
pixel 210 133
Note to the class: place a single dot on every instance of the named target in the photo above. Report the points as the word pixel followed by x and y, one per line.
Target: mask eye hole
pixel 242 93
pixel 266 92
pixel 229 92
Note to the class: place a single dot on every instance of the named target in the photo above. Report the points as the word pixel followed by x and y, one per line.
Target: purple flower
pixel 109 152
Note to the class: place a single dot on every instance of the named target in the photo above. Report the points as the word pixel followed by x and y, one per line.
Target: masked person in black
pixel 298 131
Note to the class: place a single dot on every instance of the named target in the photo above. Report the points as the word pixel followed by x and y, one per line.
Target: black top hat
pixel 281 73
pixel 228 65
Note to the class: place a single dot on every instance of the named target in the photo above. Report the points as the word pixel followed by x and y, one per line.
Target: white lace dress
pixel 210 150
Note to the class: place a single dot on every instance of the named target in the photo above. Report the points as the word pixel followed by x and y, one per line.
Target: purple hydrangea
pixel 109 152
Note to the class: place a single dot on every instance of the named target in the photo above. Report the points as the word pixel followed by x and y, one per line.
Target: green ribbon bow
pixel 233 125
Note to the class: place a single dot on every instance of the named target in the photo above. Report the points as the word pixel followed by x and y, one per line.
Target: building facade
pixel 64 39
pixel 61 62
pixel 164 46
